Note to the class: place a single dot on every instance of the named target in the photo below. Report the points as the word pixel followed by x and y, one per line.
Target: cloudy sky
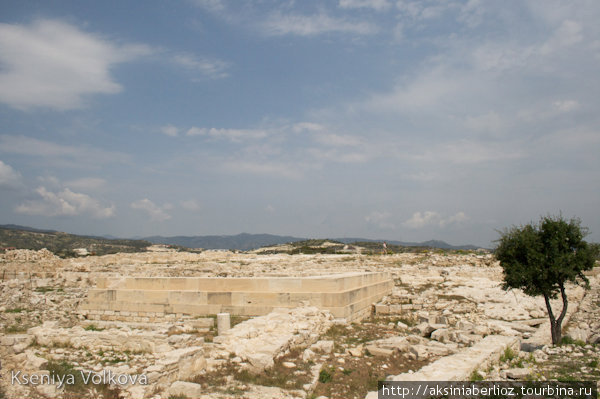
pixel 406 120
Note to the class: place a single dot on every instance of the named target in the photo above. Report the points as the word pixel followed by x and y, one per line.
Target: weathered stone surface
pixel 187 389
pixel 516 373
pixel 378 351
pixel 323 346
pixel 262 339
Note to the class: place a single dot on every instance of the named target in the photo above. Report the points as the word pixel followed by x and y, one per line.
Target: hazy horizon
pixel 384 119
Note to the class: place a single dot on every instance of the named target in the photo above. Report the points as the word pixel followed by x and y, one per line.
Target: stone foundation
pixel 349 296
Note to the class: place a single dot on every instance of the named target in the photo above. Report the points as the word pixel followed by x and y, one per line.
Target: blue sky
pixel 407 120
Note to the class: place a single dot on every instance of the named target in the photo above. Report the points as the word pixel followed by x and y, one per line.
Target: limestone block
pixel 187 389
pixel 402 325
pixel 223 323
pixel 443 335
pixel 260 361
pixel 516 373
pixel 377 351
pixel 579 334
pixel 323 346
pixel 308 355
pixel 357 351
pixel 423 329
pixel 33 362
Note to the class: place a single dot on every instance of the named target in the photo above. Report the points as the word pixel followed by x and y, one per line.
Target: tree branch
pixel 563 294
pixel 549 307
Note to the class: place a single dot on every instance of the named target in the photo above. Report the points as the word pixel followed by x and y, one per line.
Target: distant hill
pixel 428 244
pixel 242 242
pixel 63 244
pixel 246 242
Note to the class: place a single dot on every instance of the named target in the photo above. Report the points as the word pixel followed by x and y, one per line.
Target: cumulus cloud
pixel 53 64
pixel 65 203
pixel 8 176
pixel 155 212
pixel 431 218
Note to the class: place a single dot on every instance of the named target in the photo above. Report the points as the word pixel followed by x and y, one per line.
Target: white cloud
pixel 380 219
pixel 566 35
pixel 489 122
pixel 566 105
pixel 211 68
pixel 170 130
pixel 155 212
pixel 235 135
pixel 65 203
pixel 191 205
pixel 422 10
pixel 377 5
pixel 8 176
pixel 307 126
pixel 267 168
pixel 211 5
pixel 431 218
pixel 67 155
pixel 457 218
pixel 419 219
pixel 56 65
pixel 337 140
pixel 473 152
pixel 338 155
pixel 309 25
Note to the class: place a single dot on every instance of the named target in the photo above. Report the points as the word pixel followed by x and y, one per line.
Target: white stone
pixel 223 323
pixel 188 389
pixel 323 346
pixel 516 373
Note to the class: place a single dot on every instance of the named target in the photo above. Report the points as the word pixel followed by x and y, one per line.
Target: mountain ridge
pixel 242 241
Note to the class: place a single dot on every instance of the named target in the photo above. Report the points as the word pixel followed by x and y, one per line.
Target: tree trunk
pixel 556 324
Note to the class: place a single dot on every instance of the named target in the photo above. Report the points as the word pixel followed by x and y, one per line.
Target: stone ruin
pixel 440 316
pixel 347 295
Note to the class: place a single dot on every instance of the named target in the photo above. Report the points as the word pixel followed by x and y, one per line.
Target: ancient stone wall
pixel 347 295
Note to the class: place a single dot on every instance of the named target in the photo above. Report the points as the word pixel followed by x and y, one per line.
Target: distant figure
pixel 384 248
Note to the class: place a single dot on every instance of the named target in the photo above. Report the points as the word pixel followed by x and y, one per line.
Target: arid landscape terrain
pixel 445 318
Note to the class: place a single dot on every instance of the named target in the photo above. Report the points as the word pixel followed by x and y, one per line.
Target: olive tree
pixel 540 258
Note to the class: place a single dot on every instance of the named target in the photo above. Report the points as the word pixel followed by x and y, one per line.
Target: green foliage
pixel 540 258
pixel 508 355
pixel 92 327
pixel 63 244
pixel 567 340
pixel 325 376
pixel 475 376
pixel 15 310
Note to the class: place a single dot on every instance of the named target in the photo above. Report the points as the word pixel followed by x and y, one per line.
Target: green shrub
pixel 325 376
pixel 508 355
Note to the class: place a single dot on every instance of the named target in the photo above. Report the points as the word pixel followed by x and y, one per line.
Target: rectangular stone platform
pixel 347 295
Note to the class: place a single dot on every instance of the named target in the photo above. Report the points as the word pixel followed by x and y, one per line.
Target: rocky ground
pixel 441 305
